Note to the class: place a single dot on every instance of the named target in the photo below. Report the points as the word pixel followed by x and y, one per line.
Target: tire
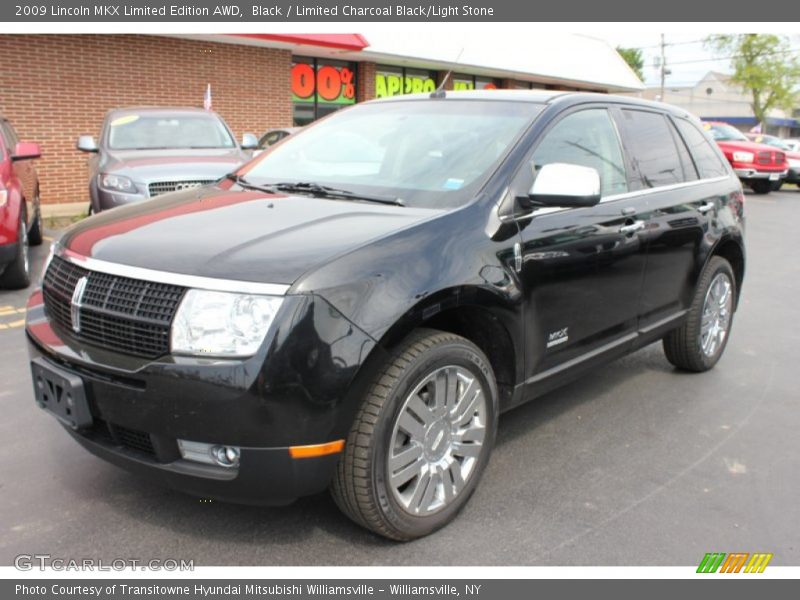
pixel 776 186
pixel 385 499
pixel 761 186
pixel 17 275
pixel 36 230
pixel 689 347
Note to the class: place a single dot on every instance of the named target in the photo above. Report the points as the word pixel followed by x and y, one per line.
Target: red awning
pixel 342 41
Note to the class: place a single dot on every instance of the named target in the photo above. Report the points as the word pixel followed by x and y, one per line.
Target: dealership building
pixel 57 87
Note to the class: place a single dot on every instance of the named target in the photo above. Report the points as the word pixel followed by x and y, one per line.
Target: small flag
pixel 756 129
pixel 207 98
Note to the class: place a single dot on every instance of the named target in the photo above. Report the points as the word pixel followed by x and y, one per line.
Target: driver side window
pixel 587 138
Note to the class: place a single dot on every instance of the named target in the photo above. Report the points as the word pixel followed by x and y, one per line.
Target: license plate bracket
pixel 61 393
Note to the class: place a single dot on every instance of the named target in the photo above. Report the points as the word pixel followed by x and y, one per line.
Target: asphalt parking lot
pixel 635 464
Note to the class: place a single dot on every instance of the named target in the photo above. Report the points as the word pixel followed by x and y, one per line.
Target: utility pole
pixel 663 66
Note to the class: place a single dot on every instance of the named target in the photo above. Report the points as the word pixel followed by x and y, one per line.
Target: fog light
pixel 226 456
pixel 210 454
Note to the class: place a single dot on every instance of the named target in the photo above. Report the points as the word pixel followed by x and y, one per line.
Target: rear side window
pixel 587 138
pixel 652 148
pixel 707 160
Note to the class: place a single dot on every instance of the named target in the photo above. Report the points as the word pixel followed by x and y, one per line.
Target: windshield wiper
pixel 315 189
pixel 239 180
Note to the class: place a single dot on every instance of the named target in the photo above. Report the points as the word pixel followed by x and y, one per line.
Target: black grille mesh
pixel 164 187
pixel 126 315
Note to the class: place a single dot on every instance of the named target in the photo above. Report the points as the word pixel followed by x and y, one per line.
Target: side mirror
pixel 563 185
pixel 249 141
pixel 86 143
pixel 26 150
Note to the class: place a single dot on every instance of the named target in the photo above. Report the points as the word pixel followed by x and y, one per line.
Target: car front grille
pixel 130 316
pixel 157 188
pixel 766 157
pixel 116 435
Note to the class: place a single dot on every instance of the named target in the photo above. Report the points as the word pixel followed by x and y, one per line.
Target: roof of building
pixel 549 58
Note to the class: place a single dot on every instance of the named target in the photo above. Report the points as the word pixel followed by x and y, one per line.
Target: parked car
pixel 759 166
pixel 146 152
pixel 330 315
pixel 20 214
pixel 793 144
pixel 792 156
pixel 273 136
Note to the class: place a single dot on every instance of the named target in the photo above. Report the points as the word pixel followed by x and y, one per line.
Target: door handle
pixel 704 208
pixel 632 228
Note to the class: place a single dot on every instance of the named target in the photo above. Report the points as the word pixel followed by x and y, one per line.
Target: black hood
pixel 242 235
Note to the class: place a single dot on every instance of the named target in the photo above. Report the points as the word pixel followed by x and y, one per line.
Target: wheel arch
pixel 485 321
pixel 731 250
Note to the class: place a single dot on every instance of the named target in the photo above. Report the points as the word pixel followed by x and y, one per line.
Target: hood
pixel 152 165
pixel 746 146
pixel 242 235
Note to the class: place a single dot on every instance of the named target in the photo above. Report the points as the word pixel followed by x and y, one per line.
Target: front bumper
pixel 107 199
pixel 264 405
pixel 749 173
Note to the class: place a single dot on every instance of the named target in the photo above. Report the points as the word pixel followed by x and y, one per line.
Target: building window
pixel 394 81
pixel 320 87
pixel 471 82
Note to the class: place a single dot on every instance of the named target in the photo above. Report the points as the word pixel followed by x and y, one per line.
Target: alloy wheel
pixel 716 316
pixel 437 440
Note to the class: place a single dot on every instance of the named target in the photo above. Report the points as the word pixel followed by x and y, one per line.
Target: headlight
pixel 222 324
pixel 746 157
pixel 117 183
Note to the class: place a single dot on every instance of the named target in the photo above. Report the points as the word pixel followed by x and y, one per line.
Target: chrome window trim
pixel 663 188
pixel 189 281
pixel 627 195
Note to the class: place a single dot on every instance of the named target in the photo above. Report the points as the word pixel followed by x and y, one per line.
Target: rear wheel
pixel 421 438
pixel 761 186
pixel 17 275
pixel 699 343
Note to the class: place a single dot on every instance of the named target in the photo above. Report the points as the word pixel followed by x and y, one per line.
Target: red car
pixel 759 166
pixel 792 156
pixel 20 216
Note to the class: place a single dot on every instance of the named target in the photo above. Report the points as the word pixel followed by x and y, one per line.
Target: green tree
pixel 634 58
pixel 764 65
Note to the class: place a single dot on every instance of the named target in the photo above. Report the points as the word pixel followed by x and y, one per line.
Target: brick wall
pixel 366 81
pixel 57 87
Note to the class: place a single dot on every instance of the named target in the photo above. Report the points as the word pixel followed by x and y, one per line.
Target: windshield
pixel 148 132
pixel 432 153
pixel 772 141
pixel 725 133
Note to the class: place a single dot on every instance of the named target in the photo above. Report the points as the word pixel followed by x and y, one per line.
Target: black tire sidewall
pixel 450 353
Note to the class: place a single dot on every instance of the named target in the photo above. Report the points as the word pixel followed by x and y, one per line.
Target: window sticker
pixel 124 120
pixel 453 184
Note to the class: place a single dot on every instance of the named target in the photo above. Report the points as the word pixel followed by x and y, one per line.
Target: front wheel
pixel 761 186
pixel 421 438
pixel 18 274
pixel 699 343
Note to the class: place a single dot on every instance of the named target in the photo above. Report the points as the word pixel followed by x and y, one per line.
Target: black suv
pixel 355 307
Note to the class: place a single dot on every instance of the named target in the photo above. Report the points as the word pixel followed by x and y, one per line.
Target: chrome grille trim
pixel 189 281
